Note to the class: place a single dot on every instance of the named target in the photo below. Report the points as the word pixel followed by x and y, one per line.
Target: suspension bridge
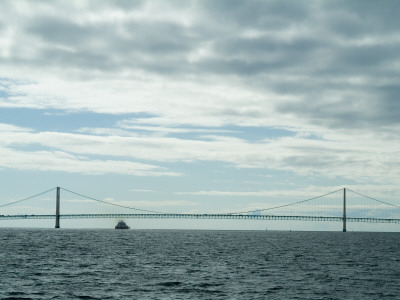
pixel 343 205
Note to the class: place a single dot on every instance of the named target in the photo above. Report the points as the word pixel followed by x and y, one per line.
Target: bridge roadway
pixel 201 216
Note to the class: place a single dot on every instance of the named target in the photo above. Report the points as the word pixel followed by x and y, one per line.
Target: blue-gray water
pixel 129 264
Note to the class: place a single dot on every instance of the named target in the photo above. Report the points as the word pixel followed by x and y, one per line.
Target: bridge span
pixel 335 206
pixel 201 216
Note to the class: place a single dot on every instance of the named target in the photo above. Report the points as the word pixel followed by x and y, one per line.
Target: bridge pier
pixel 58 208
pixel 344 210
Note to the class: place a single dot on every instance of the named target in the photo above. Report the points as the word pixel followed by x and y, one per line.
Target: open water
pixel 130 264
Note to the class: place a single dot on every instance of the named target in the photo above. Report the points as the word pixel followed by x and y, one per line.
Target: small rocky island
pixel 121 225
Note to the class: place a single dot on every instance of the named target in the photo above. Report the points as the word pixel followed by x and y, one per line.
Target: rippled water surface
pixel 129 264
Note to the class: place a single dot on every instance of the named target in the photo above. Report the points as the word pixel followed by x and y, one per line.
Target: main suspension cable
pixel 25 199
pixel 114 204
pixel 284 205
pixel 387 203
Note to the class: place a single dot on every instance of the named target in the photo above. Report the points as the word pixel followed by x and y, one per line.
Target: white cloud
pixel 143 190
pixel 164 203
pixel 11 129
pixel 360 158
pixel 63 161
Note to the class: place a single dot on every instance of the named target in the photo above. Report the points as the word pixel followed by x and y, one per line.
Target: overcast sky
pixel 200 106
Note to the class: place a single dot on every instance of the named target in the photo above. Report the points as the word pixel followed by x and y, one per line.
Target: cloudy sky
pixel 200 106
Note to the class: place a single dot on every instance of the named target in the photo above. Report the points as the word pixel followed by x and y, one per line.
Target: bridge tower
pixel 344 210
pixel 58 208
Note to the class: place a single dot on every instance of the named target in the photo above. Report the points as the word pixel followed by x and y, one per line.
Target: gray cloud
pixel 122 38
pixel 118 4
pixel 141 45
pixel 338 58
pixel 360 18
pixel 255 14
